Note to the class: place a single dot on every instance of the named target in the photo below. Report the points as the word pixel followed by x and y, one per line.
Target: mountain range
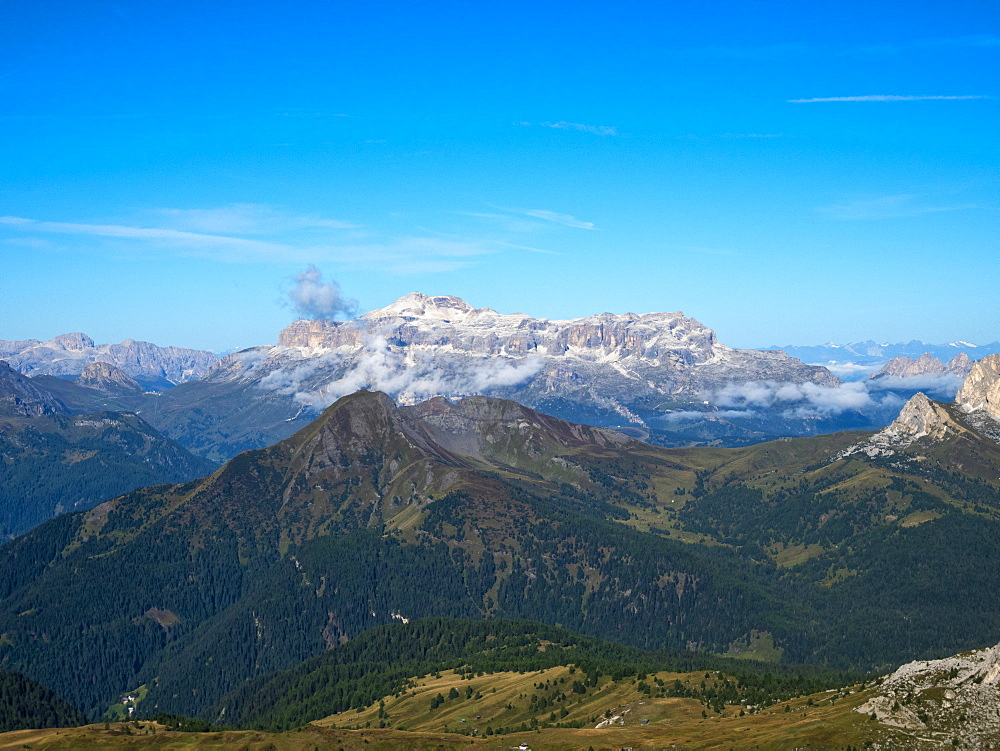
pixel 53 460
pixel 69 354
pixel 661 377
pixel 873 355
pixel 654 372
pixel 376 513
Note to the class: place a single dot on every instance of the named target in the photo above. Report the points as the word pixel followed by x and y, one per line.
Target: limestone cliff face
pixel 420 346
pixel 981 390
pixel 108 378
pixel 447 322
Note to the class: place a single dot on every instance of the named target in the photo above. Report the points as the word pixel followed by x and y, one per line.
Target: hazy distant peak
pixel 75 341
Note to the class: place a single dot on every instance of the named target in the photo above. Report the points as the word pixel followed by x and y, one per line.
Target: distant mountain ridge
pixel 874 353
pixel 70 354
pixel 906 367
pixel 52 461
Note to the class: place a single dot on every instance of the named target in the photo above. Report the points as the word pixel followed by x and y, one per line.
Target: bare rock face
pixel 20 397
pixel 421 346
pixel 70 354
pixel 959 365
pixel 958 695
pixel 108 378
pixel 907 367
pixel 981 390
pixel 919 418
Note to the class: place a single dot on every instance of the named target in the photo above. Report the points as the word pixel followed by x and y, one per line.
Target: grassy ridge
pixel 383 661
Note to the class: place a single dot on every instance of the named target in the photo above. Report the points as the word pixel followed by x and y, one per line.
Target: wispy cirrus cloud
pixel 888 207
pixel 564 219
pixel 887 98
pixel 247 218
pixel 555 217
pixel 401 255
pixel 597 130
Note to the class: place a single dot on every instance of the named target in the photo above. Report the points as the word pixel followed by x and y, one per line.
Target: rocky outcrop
pixel 919 418
pixel 20 397
pixel 108 378
pixel 959 365
pixel 956 697
pixel 906 367
pixel 981 390
pixel 70 354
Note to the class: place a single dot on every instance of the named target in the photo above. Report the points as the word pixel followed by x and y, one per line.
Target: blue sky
pixel 166 168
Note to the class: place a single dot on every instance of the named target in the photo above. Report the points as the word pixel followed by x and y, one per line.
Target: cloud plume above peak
pixel 313 298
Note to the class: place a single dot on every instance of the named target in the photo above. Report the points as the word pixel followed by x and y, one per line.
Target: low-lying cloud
pixel 795 399
pixel 320 381
pixel 939 386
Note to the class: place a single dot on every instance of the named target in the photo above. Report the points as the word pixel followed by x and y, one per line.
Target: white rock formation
pixel 955 697
pixel 919 418
pixel 981 390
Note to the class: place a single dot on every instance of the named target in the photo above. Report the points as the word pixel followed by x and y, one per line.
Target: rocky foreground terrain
pixel 954 701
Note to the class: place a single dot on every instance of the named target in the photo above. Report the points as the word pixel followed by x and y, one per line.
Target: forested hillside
pixel 483 508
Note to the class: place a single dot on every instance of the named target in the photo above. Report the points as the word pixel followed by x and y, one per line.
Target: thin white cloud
pixel 246 219
pixel 887 207
pixel 147 234
pixel 597 130
pixel 564 219
pixel 885 98
pixel 754 135
pixel 400 255
pixel 528 248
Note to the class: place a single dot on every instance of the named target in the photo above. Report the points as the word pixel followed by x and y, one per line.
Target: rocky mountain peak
pixel 919 418
pixel 981 390
pixel 20 396
pixel 960 365
pixel 907 367
pixel 74 342
pixel 418 305
pixel 110 379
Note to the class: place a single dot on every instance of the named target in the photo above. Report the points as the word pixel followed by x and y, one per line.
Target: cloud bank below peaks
pixel 797 399
pixel 407 378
